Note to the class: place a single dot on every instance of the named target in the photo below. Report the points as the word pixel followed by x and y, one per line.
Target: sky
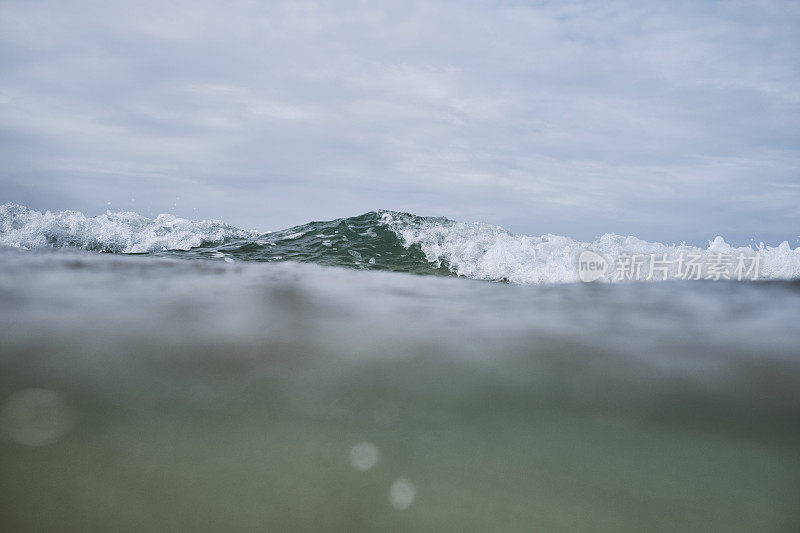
pixel 672 121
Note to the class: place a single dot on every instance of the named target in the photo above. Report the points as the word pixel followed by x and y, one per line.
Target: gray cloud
pixel 671 121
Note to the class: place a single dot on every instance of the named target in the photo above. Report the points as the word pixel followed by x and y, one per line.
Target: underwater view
pixel 387 372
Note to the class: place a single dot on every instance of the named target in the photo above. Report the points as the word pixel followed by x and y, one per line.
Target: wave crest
pixel 483 251
pixel 121 232
pixel 380 240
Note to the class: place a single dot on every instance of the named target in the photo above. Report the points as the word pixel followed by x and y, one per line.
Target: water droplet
pixel 35 417
pixel 402 494
pixel 364 456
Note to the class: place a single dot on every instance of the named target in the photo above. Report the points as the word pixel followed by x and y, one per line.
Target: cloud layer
pixel 671 121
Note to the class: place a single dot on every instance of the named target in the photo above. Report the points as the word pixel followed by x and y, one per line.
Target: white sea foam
pixel 123 232
pixel 474 250
pixel 487 252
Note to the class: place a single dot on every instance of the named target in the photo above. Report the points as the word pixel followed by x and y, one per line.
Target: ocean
pixel 391 372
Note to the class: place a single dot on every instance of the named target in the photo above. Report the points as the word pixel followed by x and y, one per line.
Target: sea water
pixel 161 374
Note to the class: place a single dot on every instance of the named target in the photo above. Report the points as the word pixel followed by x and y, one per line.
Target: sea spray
pixel 399 242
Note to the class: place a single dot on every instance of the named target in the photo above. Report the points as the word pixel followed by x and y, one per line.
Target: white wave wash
pixel 122 232
pixel 474 250
pixel 487 252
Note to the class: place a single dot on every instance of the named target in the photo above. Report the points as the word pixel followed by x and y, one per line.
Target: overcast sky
pixel 670 121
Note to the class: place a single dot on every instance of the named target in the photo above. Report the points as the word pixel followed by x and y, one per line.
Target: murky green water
pixel 152 394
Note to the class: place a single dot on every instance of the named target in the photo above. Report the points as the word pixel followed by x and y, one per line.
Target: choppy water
pixel 150 392
pixel 379 240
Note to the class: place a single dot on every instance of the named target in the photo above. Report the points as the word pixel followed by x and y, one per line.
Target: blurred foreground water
pixel 158 394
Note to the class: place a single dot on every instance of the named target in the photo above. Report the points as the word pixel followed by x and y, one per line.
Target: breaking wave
pixel 386 240
pixel 122 232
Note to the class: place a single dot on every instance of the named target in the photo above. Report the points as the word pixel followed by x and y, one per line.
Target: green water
pixel 139 393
